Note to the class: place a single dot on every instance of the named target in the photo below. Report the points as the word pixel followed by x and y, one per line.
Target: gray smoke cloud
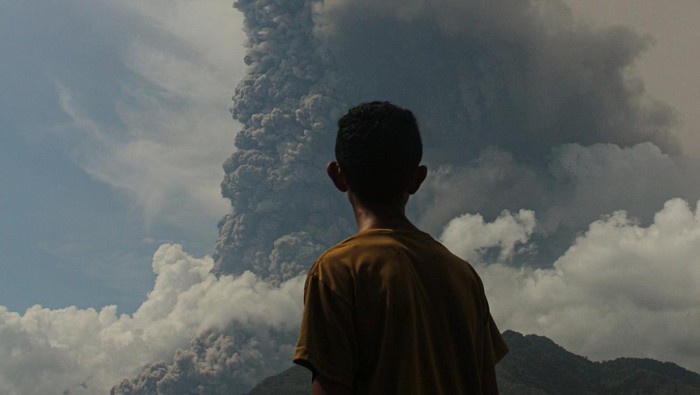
pixel 227 362
pixel 519 75
pixel 288 108
pixel 511 96
pixel 521 108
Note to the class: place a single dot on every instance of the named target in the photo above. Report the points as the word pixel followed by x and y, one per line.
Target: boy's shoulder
pixel 375 243
pixel 374 249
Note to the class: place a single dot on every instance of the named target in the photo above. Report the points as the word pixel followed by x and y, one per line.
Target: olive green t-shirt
pixel 395 312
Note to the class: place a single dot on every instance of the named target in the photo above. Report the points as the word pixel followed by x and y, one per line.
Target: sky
pixel 115 125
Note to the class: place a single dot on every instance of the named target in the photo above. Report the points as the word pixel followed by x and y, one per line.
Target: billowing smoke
pixel 518 75
pixel 287 108
pixel 521 109
pixel 283 212
pixel 218 362
pixel 537 136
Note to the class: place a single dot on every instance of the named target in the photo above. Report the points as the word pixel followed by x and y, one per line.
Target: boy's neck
pixel 384 217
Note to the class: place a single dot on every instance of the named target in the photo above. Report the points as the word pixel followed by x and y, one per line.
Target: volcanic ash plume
pixel 284 213
pixel 513 97
pixel 522 111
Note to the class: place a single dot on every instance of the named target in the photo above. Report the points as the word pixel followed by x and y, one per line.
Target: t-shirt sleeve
pixel 495 347
pixel 327 343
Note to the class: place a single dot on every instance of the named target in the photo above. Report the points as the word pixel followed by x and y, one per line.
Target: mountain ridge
pixel 536 365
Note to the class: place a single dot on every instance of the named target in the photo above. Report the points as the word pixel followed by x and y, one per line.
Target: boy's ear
pixel 337 176
pixel 418 178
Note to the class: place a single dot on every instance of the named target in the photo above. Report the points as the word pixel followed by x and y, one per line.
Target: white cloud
pixel 46 350
pixel 470 237
pixel 620 290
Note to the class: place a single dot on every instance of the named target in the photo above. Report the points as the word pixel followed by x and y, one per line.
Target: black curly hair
pixel 378 148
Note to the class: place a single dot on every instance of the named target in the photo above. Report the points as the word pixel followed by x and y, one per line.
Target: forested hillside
pixel 536 365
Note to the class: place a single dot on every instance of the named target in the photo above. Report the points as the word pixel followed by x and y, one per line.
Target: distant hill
pixel 536 365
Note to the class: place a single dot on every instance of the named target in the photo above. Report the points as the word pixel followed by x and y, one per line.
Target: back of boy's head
pixel 378 149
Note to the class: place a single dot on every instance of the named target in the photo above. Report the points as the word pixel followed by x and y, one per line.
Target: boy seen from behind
pixel 390 310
